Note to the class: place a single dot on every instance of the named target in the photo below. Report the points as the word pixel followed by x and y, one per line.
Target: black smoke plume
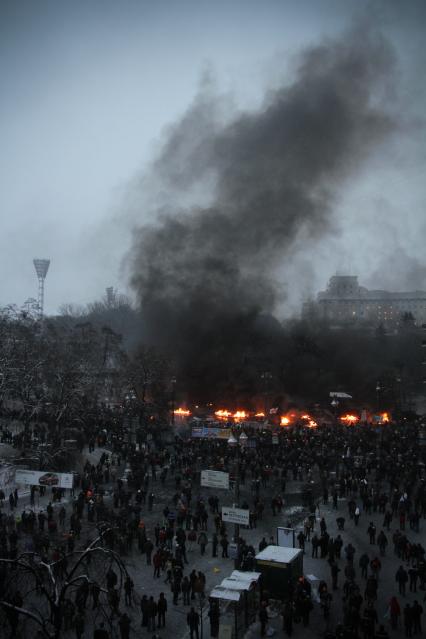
pixel 205 275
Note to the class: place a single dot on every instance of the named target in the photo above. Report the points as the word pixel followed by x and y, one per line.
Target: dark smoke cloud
pixel 204 275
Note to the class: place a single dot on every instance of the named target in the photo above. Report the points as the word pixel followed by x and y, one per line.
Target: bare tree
pixel 34 591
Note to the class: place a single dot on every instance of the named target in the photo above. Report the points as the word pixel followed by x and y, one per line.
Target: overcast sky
pixel 88 89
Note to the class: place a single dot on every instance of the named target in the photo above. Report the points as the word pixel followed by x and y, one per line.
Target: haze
pixel 90 89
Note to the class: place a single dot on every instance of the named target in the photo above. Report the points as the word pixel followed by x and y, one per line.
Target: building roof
pixel 278 554
pixel 225 593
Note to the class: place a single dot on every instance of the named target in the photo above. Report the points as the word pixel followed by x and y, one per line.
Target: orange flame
pixel 312 423
pixel 384 418
pixel 182 412
pixel 260 415
pixel 223 414
pixel 306 416
pixel 240 414
pixel 284 421
pixel 349 419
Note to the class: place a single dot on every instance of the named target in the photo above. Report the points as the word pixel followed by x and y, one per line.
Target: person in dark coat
pixel 401 578
pixel 144 611
pixel 288 615
pixel 193 621
pixel 408 620
pixel 124 625
pixel 214 616
pixel 161 610
pixel 263 618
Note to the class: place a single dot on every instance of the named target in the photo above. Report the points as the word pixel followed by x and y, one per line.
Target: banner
pixel 235 515
pixel 42 478
pixel 214 479
pixel 203 432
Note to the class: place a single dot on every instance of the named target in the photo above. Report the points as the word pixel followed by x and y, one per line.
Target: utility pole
pixel 234 443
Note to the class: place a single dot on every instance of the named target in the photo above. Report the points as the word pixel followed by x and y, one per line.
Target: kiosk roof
pixel 278 554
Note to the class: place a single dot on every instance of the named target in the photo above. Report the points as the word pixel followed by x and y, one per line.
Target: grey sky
pixel 88 88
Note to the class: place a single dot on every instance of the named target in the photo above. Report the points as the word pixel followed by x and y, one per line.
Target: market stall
pixel 279 567
pixel 237 598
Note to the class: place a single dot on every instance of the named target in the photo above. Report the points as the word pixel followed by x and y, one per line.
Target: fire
pixel 306 416
pixel 349 419
pixel 240 414
pixel 182 412
pixel 223 414
pixel 226 414
pixel 260 415
pixel 285 421
pixel 312 423
pixel 384 418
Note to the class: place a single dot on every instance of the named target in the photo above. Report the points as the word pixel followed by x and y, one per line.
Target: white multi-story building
pixel 345 300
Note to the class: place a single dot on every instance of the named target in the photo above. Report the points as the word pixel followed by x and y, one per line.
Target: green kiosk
pixel 279 567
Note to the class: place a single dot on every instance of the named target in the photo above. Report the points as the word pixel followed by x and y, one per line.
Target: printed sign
pixel 42 478
pixel 235 515
pixel 214 479
pixel 203 432
pixel 286 537
pixel 275 439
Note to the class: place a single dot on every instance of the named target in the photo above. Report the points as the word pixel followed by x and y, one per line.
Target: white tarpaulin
pixel 340 395
pixel 42 478
pixel 214 479
pixel 235 515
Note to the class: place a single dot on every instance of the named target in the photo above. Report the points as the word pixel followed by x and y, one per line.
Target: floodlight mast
pixel 41 267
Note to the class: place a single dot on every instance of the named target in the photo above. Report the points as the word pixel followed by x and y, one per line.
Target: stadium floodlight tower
pixel 41 267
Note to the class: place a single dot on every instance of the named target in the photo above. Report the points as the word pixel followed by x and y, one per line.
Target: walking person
pixel 202 540
pixel 214 616
pixel 193 621
pixel 416 613
pixel 357 513
pixel 128 591
pixel 263 618
pixel 124 625
pixel 408 620
pixel 288 615
pixel 371 530
pixel 394 612
pixel 224 543
pixel 215 543
pixel 186 589
pixel 401 577
pixel 161 610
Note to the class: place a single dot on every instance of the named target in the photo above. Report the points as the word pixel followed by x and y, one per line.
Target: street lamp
pixel 234 443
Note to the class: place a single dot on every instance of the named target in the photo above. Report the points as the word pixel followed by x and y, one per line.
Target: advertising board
pixel 43 478
pixel 203 432
pixel 235 515
pixel 286 537
pixel 214 479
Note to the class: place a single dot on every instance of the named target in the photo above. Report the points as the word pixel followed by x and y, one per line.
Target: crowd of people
pixel 146 503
